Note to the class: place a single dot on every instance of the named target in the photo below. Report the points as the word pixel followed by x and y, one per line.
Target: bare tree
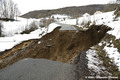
pixel 16 11
pixel 9 9
pixel 0 28
pixel 4 10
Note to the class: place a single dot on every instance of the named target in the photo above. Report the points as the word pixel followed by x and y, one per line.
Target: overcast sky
pixel 30 5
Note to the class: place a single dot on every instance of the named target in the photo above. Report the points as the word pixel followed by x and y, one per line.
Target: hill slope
pixel 72 11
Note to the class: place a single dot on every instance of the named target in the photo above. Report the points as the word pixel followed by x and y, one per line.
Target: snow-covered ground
pixel 94 62
pixel 98 19
pixel 16 27
pixel 113 54
pixel 9 42
pixel 108 19
pixel 12 31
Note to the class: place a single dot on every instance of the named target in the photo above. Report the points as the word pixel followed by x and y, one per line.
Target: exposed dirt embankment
pixel 58 45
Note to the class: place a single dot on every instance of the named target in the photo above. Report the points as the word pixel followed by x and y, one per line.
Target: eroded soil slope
pixel 58 45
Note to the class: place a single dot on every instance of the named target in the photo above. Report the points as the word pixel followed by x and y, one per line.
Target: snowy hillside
pixel 100 18
pixel 109 47
pixel 12 32
pixel 107 18
pixel 16 27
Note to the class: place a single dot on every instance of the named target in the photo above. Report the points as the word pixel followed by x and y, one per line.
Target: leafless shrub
pixel 33 26
pixel 45 22
pixel 117 12
pixel 1 26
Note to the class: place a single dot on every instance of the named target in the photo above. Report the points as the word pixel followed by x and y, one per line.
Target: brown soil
pixel 57 45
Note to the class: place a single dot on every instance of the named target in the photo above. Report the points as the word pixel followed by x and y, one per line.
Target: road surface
pixel 66 27
pixel 43 69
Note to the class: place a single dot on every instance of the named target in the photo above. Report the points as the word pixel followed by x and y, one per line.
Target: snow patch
pixel 100 44
pixel 39 42
pixel 114 55
pixel 94 63
pixel 16 27
pixel 10 42
pixel 52 26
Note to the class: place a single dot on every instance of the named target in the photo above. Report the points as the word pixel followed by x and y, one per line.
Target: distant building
pixel 86 15
pixel 86 18
pixel 97 12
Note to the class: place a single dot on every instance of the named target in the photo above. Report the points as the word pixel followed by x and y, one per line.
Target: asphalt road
pixel 43 69
pixel 38 69
pixel 66 26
